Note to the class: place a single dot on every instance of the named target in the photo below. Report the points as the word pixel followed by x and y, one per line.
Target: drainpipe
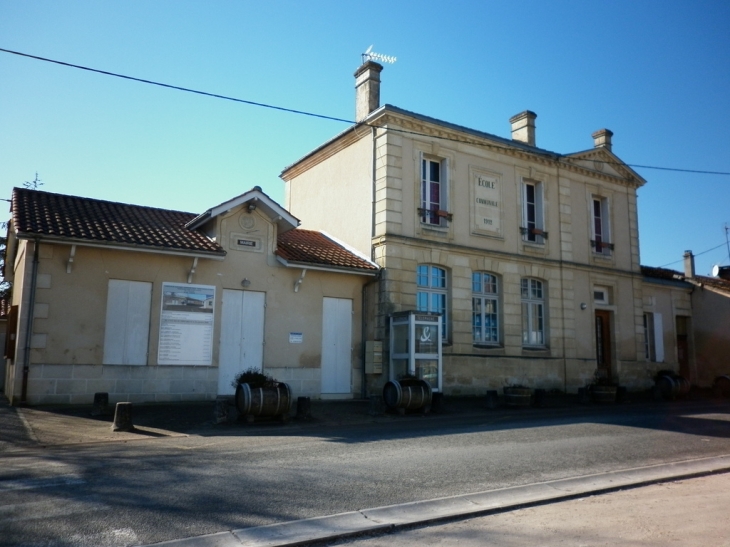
pixel 29 323
pixel 363 325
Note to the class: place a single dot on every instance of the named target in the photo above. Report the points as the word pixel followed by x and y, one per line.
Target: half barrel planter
pixel 408 394
pixel 271 402
pixel 670 386
pixel 517 396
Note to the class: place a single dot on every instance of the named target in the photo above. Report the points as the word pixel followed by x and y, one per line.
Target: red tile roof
pixel 662 273
pixel 310 247
pixel 58 216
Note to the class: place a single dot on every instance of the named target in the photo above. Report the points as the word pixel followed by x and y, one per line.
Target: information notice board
pixel 186 324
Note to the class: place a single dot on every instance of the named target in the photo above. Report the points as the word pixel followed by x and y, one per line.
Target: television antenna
pixel 370 55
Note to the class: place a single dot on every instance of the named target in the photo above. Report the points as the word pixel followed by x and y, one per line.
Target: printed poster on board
pixel 186 324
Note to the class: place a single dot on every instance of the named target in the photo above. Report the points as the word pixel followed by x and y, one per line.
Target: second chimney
pixel 689 264
pixel 367 89
pixel 602 139
pixel 523 127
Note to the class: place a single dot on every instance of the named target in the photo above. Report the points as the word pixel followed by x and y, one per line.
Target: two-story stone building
pixel 531 256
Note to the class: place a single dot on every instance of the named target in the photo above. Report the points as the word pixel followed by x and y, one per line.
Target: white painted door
pixel 336 345
pixel 242 336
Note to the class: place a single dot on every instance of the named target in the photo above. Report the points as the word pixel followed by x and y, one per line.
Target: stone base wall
pixel 76 384
pixel 304 382
pixel 473 375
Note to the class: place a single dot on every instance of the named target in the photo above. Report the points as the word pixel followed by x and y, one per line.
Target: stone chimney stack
pixel 602 139
pixel 523 127
pixel 689 264
pixel 367 89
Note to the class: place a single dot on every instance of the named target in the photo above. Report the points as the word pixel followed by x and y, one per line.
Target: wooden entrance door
pixel 603 343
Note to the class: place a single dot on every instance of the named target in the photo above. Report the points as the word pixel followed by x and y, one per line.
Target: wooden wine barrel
pixel 408 394
pixel 264 401
pixel 672 386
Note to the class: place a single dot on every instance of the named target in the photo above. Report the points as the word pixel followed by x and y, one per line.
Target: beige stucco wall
pixel 70 311
pixel 335 194
pixel 670 300
pixel 711 325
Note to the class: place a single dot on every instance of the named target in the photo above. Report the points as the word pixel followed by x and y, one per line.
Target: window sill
pixel 535 248
pixel 432 229
pixel 489 350
pixel 536 351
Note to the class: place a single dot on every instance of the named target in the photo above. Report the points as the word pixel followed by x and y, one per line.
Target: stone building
pixel 148 304
pixel 530 256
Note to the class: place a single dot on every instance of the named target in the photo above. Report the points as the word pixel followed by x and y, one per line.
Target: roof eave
pixel 333 269
pixel 199 253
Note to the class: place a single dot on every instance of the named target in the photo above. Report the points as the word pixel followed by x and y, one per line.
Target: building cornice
pixel 418 129
pixel 382 240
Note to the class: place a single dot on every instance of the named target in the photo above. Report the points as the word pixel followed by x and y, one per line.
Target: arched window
pixel 432 291
pixel 485 308
pixel 533 312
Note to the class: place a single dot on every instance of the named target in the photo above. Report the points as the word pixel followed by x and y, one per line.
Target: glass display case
pixel 415 346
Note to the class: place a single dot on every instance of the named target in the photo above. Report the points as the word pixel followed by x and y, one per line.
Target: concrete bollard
pixel 377 406
pixel 123 417
pixel 304 408
pixel 539 398
pixel 220 412
pixel 101 404
pixel 492 399
pixel 437 403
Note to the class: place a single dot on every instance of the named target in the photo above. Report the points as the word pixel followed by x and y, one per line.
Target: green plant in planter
pixel 254 378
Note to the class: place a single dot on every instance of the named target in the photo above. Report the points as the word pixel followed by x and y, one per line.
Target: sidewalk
pixel 689 512
pixel 44 426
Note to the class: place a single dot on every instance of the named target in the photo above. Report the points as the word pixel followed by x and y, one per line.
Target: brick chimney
pixel 602 139
pixel 523 127
pixel 689 264
pixel 367 89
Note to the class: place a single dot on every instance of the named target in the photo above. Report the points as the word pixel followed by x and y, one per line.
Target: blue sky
pixel 656 73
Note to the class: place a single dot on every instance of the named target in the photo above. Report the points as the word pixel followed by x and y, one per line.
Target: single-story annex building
pixel 149 304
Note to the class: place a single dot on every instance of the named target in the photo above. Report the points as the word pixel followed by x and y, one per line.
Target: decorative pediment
pixel 603 162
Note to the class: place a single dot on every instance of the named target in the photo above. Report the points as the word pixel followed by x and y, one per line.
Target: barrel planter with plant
pixel 408 393
pixel 517 396
pixel 670 385
pixel 260 395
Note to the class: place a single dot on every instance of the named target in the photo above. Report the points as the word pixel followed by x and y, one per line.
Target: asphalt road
pixel 139 493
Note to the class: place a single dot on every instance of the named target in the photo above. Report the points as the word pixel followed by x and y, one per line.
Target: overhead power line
pixel 312 114
pixel 695 254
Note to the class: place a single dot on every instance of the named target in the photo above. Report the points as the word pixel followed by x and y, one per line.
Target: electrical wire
pixel 332 118
pixel 698 254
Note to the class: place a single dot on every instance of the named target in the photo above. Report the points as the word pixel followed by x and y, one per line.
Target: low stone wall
pixel 76 384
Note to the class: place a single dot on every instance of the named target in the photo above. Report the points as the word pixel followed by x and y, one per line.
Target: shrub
pixel 254 378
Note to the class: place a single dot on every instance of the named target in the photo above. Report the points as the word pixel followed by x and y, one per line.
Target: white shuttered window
pixel 127 328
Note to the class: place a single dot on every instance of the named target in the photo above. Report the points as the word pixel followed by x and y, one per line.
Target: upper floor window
pixel 485 308
pixel 431 292
pixel 433 208
pixel 533 222
pixel 601 241
pixel 533 312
